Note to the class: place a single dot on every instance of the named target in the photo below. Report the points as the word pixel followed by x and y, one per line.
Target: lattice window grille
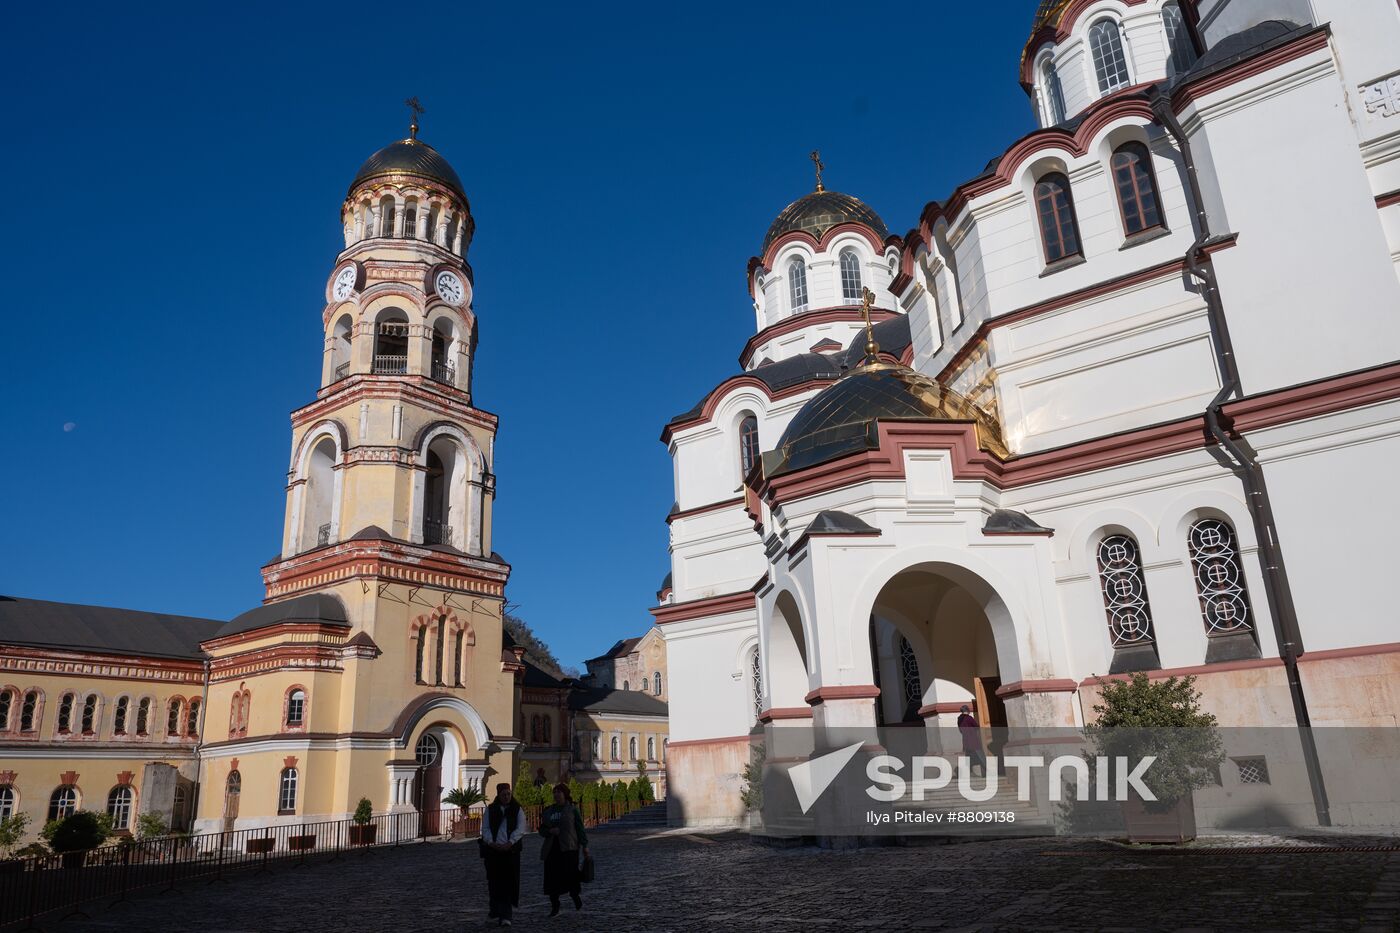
pixel 1219 578
pixel 756 683
pixel 1253 770
pixel 1124 592
pixel 909 669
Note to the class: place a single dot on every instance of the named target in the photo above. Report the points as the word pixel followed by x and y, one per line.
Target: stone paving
pixel 651 880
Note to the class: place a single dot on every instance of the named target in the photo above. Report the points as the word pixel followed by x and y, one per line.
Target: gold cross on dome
pixel 417 110
pixel 872 349
pixel 816 158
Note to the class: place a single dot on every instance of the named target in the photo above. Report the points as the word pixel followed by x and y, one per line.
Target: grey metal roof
pixel 834 522
pixel 319 608
pixel 45 624
pixel 603 700
pixel 1009 521
pixel 1241 45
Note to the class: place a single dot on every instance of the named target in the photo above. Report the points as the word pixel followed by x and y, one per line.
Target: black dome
pixel 410 157
pixel 840 419
pixel 819 211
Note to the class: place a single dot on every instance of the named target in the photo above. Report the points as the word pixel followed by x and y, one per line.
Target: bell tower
pixel 393 449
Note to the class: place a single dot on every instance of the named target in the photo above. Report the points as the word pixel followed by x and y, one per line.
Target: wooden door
pixel 232 791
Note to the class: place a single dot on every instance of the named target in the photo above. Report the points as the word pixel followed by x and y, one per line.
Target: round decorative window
pixel 427 751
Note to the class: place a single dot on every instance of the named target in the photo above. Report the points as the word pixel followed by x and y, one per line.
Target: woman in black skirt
pixel 561 825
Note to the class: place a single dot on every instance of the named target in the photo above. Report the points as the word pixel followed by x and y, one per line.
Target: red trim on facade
pixel 695 743
pixel 699 608
pixel 707 408
pixel 1224 667
pixel 785 712
pixel 793 236
pixel 1023 687
pixel 1064 25
pixel 1388 200
pixel 1360 651
pixel 841 314
pixel 68 777
pixel 702 509
pixel 1193 91
pixel 934 709
pixel 401 561
pixel 1175 267
pixel 851 692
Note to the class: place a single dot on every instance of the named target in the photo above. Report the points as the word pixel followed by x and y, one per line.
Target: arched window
pixel 1137 188
pixel 909 671
pixel 119 806
pixel 632 748
pixel 342 343
pixel 419 649
pixel 318 496
pixel 457 657
pixel 1124 592
pixel 446 510
pixel 7 801
pixel 441 646
pixel 627 685
pixel 1183 51
pixel 119 717
pixel 7 702
pixel 596 746
pixel 535 729
pixel 1052 95
pixel 442 369
pixel 850 277
pixel 613 747
pixel 427 750
pixel 175 716
pixel 391 343
pixel 756 682
pixel 89 721
pixel 143 716
pixel 296 708
pixel 664 744
pixel 1058 230
pixel 386 215
pixel 1215 558
pixel 797 285
pixel 651 748
pixel 287 791
pixel 748 444
pixel 1110 62
pixel 64 802
pixel 27 711
pixel 656 683
pixel 65 713
pixel 410 219
pixel 235 706
pixel 546 730
pixel 643 687
pixel 192 720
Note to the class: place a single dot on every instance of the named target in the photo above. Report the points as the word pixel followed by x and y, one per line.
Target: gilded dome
pixel 410 157
pixel 819 211
pixel 1048 13
pixel 840 419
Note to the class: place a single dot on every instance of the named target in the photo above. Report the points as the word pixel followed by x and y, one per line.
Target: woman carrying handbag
pixel 561 825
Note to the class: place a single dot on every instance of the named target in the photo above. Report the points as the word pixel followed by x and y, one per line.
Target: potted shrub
pixel 1139 717
pixel 463 798
pixel 11 832
pixel 362 833
pixel 77 834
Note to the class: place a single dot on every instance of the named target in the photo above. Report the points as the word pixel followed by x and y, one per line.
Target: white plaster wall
pixel 709 693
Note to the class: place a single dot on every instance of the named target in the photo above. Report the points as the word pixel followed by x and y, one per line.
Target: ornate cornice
pixel 90 665
pixel 382 560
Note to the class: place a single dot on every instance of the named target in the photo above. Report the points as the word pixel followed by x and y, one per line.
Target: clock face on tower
pixel 344 283
pixel 449 287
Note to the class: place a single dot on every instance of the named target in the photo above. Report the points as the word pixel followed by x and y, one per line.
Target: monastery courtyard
pixel 670 880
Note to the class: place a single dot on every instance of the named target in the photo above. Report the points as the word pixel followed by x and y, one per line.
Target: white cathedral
pixel 1131 403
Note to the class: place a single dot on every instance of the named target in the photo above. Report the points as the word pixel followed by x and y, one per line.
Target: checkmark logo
pixel 811 778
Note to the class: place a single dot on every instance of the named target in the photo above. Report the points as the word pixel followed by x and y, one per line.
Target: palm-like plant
pixel 464 797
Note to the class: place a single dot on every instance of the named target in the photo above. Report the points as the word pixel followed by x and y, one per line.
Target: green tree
pixel 525 791
pixel 80 831
pixel 464 798
pixel 752 792
pixel 11 832
pixel 364 812
pixel 1140 717
pixel 645 793
pixel 151 826
pixel 536 651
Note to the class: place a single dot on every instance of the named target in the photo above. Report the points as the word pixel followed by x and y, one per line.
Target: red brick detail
pixel 8 777
pixel 788 325
pixel 290 761
pixel 1388 200
pixel 1360 651
pixel 785 712
pixel 1022 687
pixel 794 236
pixel 727 740
pixel 700 608
pixel 233 764
pixel 68 777
pixel 702 509
pixel 850 692
pixel 124 777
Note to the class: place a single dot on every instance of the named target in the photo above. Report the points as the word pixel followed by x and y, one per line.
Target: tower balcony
pixel 390 365
pixel 436 533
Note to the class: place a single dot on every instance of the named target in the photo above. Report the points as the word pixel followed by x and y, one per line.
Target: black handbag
pixel 585 872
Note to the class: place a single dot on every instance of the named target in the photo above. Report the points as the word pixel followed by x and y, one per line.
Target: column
pixel 399 215
pixel 425 213
pixel 440 234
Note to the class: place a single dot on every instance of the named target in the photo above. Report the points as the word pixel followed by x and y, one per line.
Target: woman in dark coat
pixel 561 825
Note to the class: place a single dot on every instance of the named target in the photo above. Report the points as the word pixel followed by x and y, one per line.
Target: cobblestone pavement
pixel 671 880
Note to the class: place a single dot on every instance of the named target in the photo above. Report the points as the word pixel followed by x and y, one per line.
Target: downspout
pixel 198 747
pixel 1276 588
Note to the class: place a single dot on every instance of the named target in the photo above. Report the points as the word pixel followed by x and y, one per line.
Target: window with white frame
pixel 656 683
pixel 1110 59
pixel 119 806
pixel 1183 51
pixel 287 791
pixel 651 748
pixel 296 708
pixel 1052 95
pixel 797 285
pixel 748 444
pixel 7 801
pixel 63 803
pixel 850 277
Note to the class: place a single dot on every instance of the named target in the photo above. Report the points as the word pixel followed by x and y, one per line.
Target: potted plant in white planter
pixel 1139 717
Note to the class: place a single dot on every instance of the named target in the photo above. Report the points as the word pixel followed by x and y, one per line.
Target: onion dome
pixel 1048 14
pixel 841 419
pixel 821 210
pixel 410 157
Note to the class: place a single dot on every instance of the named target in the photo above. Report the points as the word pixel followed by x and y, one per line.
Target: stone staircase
pixel 653 814
pixel 1025 817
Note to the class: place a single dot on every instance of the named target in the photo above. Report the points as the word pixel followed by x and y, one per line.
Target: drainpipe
pixel 1244 464
pixel 199 747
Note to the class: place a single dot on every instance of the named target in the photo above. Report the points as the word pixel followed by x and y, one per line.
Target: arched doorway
pixel 427 783
pixel 233 789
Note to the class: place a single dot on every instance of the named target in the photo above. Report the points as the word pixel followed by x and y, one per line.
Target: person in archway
pixel 561 825
pixel 540 779
pixel 502 837
pixel 972 739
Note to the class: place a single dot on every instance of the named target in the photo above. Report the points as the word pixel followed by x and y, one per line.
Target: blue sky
pixel 172 216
